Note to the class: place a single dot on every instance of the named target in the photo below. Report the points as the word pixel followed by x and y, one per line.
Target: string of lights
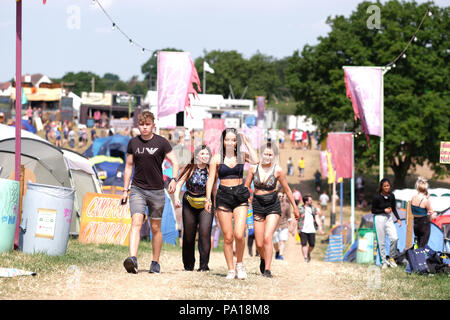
pixel 115 26
pixel 413 38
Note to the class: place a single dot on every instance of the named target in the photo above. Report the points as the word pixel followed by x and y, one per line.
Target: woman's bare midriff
pixel 231 182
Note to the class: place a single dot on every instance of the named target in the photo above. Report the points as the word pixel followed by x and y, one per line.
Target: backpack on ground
pixel 417 259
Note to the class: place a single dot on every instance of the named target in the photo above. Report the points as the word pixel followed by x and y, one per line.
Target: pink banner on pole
pixel 176 75
pixel 340 145
pixel 364 88
pixel 261 104
pixel 323 163
pixel 254 136
pixel 212 134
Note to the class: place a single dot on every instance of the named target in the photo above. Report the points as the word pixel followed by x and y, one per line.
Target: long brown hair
pixel 189 168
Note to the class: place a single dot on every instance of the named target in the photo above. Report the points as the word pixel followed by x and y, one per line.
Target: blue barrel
pixel 9 207
pixel 47 213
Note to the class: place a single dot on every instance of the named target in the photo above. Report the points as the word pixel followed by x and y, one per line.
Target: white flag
pixel 207 68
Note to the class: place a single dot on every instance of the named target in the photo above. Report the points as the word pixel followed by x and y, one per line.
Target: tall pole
pixel 204 80
pixel 384 71
pixel 18 108
pixel 352 191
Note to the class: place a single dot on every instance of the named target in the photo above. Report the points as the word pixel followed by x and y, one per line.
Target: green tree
pixel 83 81
pixel 416 100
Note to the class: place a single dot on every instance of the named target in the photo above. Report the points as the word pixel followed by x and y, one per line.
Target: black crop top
pixel 225 172
pixel 270 183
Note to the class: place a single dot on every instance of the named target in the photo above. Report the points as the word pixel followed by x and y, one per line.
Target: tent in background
pixel 83 179
pixel 48 165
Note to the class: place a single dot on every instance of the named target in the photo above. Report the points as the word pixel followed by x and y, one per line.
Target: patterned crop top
pixel 225 172
pixel 197 182
pixel 270 183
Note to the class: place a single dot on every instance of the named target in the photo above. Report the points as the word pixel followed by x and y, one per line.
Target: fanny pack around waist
pixel 266 199
pixel 196 202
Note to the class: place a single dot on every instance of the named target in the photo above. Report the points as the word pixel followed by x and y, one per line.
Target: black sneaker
pixel 267 274
pixel 262 266
pixel 155 267
pixel 205 269
pixel 131 265
pixel 277 254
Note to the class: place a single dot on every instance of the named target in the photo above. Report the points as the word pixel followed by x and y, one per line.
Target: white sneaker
pixel 231 275
pixel 241 274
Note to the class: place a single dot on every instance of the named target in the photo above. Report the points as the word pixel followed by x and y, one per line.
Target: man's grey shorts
pixel 153 199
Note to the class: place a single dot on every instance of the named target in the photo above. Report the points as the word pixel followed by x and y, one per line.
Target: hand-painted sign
pixel 104 219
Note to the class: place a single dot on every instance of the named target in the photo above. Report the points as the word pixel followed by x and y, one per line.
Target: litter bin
pixel 9 206
pixel 47 213
pixel 365 252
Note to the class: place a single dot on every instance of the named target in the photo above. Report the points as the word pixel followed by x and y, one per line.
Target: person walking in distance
pixel 383 205
pixel 232 196
pixel 266 205
pixel 195 217
pixel 308 224
pixel 146 153
pixel 301 166
pixel 281 235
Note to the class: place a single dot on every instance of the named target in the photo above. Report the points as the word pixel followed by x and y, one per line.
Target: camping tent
pixel 112 146
pixel 83 179
pixel 48 165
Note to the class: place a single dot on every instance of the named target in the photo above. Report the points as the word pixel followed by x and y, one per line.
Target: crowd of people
pixel 217 194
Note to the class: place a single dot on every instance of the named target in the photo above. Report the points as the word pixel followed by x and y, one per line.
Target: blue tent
pixel 28 126
pixel 112 146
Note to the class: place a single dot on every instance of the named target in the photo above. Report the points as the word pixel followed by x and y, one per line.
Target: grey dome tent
pixel 50 165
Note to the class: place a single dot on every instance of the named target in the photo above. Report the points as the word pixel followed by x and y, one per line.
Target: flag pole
pixel 204 79
pixel 352 191
pixel 384 71
pixel 18 105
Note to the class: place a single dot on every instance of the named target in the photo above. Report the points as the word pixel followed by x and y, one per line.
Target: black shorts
pixel 229 198
pixel 306 238
pixel 266 204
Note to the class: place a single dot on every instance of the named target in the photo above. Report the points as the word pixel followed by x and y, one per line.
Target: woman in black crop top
pixel 266 205
pixel 232 196
pixel 195 175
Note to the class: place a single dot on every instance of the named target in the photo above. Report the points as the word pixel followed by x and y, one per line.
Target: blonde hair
pixel 422 185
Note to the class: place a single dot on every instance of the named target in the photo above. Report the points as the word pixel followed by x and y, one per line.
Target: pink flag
pixel 212 134
pixel 340 145
pixel 364 88
pixel 176 75
pixel 261 104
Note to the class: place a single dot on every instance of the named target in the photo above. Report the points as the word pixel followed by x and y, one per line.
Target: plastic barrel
pixel 47 213
pixel 364 253
pixel 9 206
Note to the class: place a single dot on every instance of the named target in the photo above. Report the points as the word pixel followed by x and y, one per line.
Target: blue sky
pixel 75 35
